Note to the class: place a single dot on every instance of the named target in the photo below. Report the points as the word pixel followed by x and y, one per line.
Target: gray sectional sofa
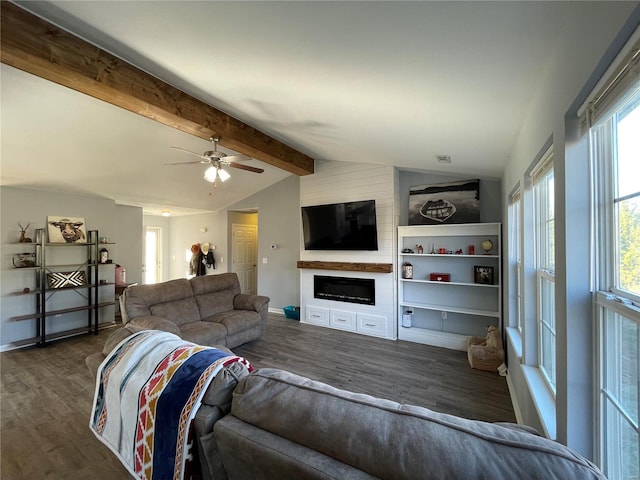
pixel 207 310
pixel 273 425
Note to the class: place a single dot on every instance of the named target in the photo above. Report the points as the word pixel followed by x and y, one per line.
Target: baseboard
pixel 514 401
pixel 276 311
pixel 435 338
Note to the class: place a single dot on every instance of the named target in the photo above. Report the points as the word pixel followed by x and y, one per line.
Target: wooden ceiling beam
pixel 36 46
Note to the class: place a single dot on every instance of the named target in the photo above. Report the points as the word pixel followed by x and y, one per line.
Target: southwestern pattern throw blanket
pixel 148 390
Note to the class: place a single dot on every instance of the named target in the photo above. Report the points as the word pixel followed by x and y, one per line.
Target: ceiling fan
pixel 216 160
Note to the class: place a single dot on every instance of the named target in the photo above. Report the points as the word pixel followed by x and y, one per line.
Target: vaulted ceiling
pixel 394 83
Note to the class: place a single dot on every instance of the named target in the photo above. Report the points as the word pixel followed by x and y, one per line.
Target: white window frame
pixel 515 256
pixel 541 177
pixel 616 316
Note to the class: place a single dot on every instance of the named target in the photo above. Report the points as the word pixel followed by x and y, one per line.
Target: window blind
pixel 543 167
pixel 618 83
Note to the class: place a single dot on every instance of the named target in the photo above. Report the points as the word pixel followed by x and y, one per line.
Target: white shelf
pixel 446 308
pixel 459 284
pixel 447 255
pixel 446 313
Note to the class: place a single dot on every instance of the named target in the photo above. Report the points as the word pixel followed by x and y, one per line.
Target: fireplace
pixel 345 289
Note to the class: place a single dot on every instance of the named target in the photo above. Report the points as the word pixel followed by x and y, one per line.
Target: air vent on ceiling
pixel 443 158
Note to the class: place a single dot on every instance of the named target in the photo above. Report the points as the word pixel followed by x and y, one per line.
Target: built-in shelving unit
pixel 52 303
pixel 444 313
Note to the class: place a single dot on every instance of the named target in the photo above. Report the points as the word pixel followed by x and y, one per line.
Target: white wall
pixel 588 34
pixel 278 217
pixel 278 223
pixel 335 182
pixel 128 238
pixel 186 230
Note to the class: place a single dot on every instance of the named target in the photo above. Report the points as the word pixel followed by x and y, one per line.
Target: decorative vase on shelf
pixel 407 270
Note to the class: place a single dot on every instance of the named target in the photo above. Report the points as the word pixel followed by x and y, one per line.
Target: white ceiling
pixel 376 82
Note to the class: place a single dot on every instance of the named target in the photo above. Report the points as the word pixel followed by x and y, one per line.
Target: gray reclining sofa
pixel 273 425
pixel 207 310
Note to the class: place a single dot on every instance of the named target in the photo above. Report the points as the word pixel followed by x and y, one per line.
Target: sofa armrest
pixel 153 322
pixel 245 301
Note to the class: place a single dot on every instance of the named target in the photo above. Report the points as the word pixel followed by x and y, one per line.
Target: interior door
pixel 152 267
pixel 245 251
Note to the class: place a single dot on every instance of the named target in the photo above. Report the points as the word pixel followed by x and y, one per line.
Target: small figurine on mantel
pixel 420 249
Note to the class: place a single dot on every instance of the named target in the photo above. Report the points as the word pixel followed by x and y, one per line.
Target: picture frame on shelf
pixel 66 230
pixel 66 279
pixel 483 274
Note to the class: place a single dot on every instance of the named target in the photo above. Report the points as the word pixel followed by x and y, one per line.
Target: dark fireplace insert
pixel 345 289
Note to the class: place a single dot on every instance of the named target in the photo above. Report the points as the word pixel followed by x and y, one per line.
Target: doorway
pixel 152 266
pixel 244 250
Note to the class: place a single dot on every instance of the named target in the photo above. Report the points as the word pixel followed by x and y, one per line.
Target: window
pixel 626 124
pixel 515 254
pixel 543 197
pixel 618 417
pixel 614 123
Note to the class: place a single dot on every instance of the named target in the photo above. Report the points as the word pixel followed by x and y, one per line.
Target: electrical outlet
pixel 444 315
pixel 264 259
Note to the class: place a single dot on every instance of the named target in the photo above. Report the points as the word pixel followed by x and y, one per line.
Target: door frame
pixel 159 252
pixel 234 217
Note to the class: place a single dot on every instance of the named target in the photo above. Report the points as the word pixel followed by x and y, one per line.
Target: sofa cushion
pixel 236 320
pixel 215 293
pixel 140 299
pixel 243 337
pixel 204 333
pixel 179 312
pixel 249 452
pixel 155 323
pixel 357 429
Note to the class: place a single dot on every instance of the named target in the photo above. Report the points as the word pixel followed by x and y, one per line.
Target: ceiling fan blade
pixel 190 152
pixel 246 167
pixel 186 163
pixel 236 158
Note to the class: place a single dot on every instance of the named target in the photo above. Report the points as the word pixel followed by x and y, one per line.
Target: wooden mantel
pixel 347 266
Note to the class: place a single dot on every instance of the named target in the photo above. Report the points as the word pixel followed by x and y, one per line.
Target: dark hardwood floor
pixel 46 393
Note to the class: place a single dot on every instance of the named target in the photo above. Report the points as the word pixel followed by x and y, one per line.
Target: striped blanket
pixel 147 392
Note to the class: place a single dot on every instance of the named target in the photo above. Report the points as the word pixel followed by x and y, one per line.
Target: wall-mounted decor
pixel 482 274
pixel 66 230
pixel 454 202
pixel 66 279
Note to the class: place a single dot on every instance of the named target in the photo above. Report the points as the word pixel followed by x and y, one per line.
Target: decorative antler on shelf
pixel 23 231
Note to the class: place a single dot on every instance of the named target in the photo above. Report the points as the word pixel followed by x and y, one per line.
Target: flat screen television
pixel 340 226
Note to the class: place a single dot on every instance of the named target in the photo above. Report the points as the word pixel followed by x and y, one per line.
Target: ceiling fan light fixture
pixel 210 174
pixel 224 175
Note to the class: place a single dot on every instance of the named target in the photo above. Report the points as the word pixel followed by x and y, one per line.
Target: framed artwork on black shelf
pixel 482 274
pixel 66 230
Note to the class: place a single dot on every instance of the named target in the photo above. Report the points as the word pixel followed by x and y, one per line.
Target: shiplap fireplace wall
pixel 335 182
